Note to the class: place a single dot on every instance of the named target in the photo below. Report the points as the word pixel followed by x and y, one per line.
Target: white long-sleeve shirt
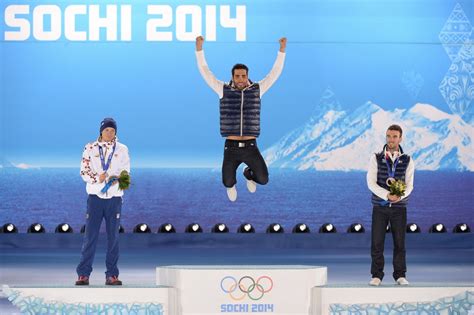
pixel 91 167
pixel 218 86
pixel 372 177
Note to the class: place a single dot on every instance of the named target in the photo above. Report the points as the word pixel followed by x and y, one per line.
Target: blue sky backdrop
pixel 54 94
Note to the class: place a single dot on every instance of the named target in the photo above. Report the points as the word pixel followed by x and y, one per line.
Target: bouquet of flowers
pixel 123 181
pixel 398 188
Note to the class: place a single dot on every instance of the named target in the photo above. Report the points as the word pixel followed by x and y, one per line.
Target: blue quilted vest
pixel 240 111
pixel 382 176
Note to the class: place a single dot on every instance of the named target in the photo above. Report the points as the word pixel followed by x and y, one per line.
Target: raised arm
pixel 277 68
pixel 206 73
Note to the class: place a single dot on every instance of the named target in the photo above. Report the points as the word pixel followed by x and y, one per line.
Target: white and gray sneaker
pixel 402 281
pixel 232 193
pixel 375 282
pixel 251 185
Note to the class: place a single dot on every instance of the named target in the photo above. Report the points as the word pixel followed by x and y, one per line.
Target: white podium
pixel 242 289
pixel 393 299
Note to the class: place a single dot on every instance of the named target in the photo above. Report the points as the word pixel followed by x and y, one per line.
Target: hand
pixel 282 42
pixel 393 198
pixel 199 42
pixel 102 177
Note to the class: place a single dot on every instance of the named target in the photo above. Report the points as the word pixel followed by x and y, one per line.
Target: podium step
pixel 243 289
pixel 92 300
pixel 393 299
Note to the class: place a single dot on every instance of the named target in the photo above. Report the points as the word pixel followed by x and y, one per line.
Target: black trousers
pixel 397 217
pixel 238 152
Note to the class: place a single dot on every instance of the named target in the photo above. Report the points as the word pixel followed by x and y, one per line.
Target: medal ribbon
pixel 108 184
pixel 105 166
pixel 391 174
pixel 391 169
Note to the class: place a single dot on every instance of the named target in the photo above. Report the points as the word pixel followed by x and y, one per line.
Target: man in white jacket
pixel 102 160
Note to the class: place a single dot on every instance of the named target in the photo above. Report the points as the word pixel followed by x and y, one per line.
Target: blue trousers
pixel 98 209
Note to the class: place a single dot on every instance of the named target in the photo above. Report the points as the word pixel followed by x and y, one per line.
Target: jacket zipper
pixel 242 114
pixel 242 110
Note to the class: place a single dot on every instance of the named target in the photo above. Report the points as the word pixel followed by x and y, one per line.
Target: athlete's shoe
pixel 232 193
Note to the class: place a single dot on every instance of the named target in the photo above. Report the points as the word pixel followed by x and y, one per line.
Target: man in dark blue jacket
pixel 240 119
pixel 385 167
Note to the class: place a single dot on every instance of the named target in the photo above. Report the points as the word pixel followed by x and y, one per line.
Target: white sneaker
pixel 402 281
pixel 251 186
pixel 375 282
pixel 232 193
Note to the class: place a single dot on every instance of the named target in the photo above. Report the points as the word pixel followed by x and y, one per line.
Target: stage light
pixel 166 228
pixel 36 228
pixel 193 228
pixel 437 228
pixel 413 228
pixel 246 228
pixel 8 228
pixel 462 228
pixel 63 228
pixel 220 228
pixel 388 229
pixel 275 228
pixel 301 228
pixel 141 228
pixel 327 228
pixel 356 228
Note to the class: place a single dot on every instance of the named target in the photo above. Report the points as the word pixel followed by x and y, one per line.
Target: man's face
pixel 240 78
pixel 108 134
pixel 393 139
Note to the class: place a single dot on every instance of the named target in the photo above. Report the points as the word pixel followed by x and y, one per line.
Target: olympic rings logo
pixel 246 286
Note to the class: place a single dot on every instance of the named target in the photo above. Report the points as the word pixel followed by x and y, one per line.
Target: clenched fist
pixel 282 42
pixel 199 42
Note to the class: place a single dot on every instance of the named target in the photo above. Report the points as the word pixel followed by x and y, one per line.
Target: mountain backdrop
pixel 337 139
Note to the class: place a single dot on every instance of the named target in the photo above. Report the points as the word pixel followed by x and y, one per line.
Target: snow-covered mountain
pixel 335 139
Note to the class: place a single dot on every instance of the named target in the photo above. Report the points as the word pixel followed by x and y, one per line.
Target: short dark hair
pixel 240 66
pixel 396 128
